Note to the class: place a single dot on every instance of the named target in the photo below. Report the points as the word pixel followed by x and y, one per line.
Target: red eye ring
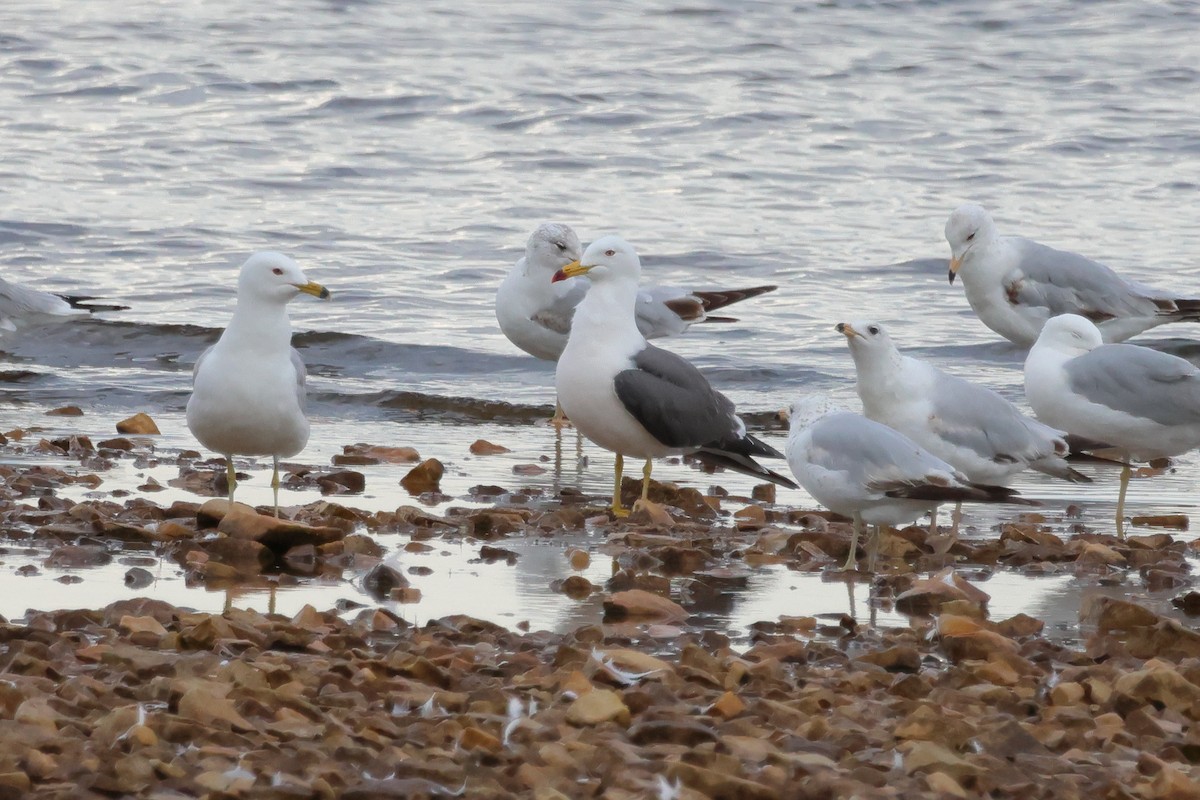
pixel 277 271
pixel 610 252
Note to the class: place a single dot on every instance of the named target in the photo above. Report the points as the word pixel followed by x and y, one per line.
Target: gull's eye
pixel 873 330
pixel 560 245
pixel 277 271
pixel 610 253
pixel 969 238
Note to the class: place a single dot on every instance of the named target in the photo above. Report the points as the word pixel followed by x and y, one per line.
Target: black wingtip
pixel 84 303
pixel 743 464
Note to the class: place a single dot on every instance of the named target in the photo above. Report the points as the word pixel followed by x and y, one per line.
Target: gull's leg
pixel 854 541
pixel 933 521
pixel 559 420
pixel 955 519
pixel 873 550
pixel 617 509
pixel 230 476
pixel 1125 472
pixel 275 484
pixel 646 479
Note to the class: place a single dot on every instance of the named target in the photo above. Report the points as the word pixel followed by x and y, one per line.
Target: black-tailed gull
pixel 872 473
pixel 970 426
pixel 1144 403
pixel 635 399
pixel 535 313
pixel 248 388
pixel 1015 285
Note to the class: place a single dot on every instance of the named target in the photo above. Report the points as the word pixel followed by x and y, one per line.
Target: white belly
pixel 589 399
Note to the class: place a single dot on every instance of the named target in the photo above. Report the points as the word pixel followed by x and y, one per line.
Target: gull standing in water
pixel 872 473
pixel 535 313
pixel 21 305
pixel 632 398
pixel 1144 403
pixel 248 388
pixel 1015 285
pixel 970 426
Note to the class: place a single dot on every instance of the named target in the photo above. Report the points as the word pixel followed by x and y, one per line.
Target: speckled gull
pixel 1146 404
pixel 1015 285
pixel 248 388
pixel 635 399
pixel 535 313
pixel 871 473
pixel 979 432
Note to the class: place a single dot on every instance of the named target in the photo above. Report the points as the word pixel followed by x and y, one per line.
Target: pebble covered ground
pixel 145 699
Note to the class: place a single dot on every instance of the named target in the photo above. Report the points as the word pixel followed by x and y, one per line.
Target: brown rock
pixel 928 594
pixel 139 424
pixel 344 481
pixel 425 477
pixel 1160 684
pixel 597 706
pixel 391 455
pixel 280 535
pixel 1176 521
pixel 640 604
pixel 482 447
pixel 728 705
pixel 210 514
pixel 475 739
pixel 902 658
pixel 202 704
pixel 65 411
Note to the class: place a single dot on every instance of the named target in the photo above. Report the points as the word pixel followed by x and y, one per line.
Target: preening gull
pixel 248 388
pixel 871 473
pixel 535 313
pixel 21 305
pixel 635 399
pixel 1144 403
pixel 1015 285
pixel 970 426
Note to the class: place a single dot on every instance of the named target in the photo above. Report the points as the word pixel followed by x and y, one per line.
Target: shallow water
pixel 403 159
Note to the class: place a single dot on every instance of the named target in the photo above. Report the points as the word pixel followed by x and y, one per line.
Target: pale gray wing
pixel 674 402
pixel 1068 283
pixel 872 454
pixel 1138 381
pixel 301 377
pixel 976 418
pixel 558 314
pixel 17 301
pixel 200 360
pixel 666 311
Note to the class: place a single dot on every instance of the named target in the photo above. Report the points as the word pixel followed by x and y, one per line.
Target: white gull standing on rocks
pixel 1144 403
pixel 635 399
pixel 248 388
pixel 870 472
pixel 535 313
pixel 1015 285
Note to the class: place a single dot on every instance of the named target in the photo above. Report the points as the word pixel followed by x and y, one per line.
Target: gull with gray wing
pixel 1015 285
pixel 1144 403
pixel 872 473
pixel 635 399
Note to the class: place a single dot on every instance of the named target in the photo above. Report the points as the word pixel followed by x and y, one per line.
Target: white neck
pixel 607 310
pixel 262 326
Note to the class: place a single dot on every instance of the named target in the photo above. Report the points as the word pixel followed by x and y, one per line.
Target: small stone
pixel 475 739
pixel 597 706
pixel 138 424
pixel 482 447
pixel 65 411
pixel 425 477
pixel 640 604
pixel 138 578
pixel 579 559
pixel 1175 521
pixel 728 705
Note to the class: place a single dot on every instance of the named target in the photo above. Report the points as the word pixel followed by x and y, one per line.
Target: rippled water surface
pixel 403 153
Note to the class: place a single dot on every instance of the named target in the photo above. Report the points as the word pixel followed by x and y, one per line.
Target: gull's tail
pixel 960 493
pixel 84 303
pixel 738 455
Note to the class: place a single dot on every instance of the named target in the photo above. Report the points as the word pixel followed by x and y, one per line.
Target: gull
pixel 248 388
pixel 1144 403
pixel 535 313
pixel 983 435
pixel 21 305
pixel 1015 285
pixel 871 473
pixel 635 399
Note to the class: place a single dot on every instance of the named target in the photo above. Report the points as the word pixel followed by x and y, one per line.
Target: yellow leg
pixel 275 484
pixel 559 420
pixel 646 479
pixel 1125 472
pixel 230 475
pixel 955 519
pixel 873 548
pixel 933 522
pixel 617 509
pixel 850 564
